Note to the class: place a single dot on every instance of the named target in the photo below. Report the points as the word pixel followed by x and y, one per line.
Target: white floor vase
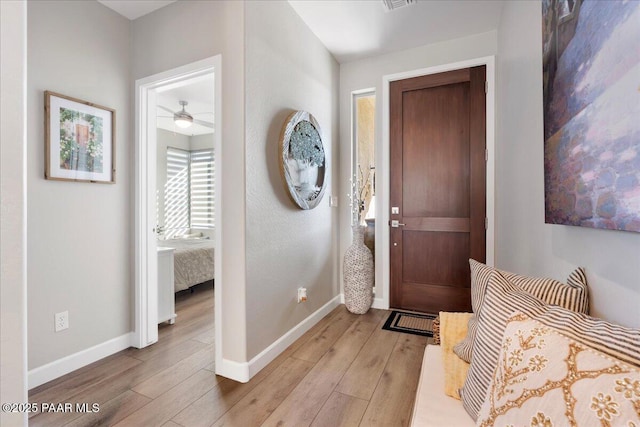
pixel 358 274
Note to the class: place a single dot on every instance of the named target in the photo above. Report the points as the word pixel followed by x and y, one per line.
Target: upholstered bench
pixel 529 354
pixel 432 407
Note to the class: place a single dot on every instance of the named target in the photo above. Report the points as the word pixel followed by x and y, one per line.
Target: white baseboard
pixel 236 371
pixel 271 352
pixel 60 367
pixel 379 303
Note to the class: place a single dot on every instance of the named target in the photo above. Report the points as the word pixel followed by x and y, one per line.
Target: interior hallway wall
pixel 287 69
pixel 525 244
pixel 13 277
pixel 79 234
pixel 368 73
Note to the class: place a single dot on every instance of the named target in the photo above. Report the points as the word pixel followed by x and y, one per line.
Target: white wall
pixel 287 69
pixel 179 34
pixel 525 243
pixel 201 142
pixel 368 73
pixel 80 241
pixel 13 280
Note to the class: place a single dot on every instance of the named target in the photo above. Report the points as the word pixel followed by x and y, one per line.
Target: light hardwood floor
pixel 345 371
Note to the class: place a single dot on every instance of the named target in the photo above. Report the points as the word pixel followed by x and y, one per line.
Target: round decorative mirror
pixel 302 161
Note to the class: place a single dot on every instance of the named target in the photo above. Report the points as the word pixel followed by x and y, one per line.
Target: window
pixel 176 193
pixel 363 154
pixel 188 193
pixel 201 189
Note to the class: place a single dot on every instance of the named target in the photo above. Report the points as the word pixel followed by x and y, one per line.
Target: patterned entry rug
pixel 410 323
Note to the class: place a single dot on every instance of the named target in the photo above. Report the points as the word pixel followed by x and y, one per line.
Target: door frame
pixel 146 276
pixel 383 206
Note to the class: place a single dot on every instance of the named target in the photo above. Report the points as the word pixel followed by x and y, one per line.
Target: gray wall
pixel 13 279
pixel 287 69
pixel 179 34
pixel 525 243
pixel 79 235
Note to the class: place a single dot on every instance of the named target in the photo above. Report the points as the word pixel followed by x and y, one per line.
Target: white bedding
pixel 192 259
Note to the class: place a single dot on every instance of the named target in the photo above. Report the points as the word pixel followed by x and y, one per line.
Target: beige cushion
pixel 550 379
pixel 453 328
pixel 501 300
pixel 573 295
pixel 432 408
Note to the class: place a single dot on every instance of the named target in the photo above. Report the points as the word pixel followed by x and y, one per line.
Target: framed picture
pixel 302 159
pixel 79 140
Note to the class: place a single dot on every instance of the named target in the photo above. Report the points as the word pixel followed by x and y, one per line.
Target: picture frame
pixel 79 140
pixel 303 161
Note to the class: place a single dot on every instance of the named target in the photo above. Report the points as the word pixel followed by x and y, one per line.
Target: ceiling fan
pixel 183 119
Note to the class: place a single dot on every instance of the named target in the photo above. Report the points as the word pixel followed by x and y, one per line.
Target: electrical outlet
pixel 302 295
pixel 61 321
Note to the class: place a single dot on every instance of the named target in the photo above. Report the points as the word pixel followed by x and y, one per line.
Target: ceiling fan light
pixel 183 119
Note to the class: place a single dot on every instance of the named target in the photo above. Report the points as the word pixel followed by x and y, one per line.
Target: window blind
pixel 189 191
pixel 176 192
pixel 202 189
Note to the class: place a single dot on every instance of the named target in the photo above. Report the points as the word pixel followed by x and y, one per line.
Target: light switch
pixel 333 201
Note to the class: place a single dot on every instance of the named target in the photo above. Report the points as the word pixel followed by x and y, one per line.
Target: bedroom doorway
pixel 178 193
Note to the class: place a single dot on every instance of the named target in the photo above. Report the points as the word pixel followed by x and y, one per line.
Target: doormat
pixel 410 323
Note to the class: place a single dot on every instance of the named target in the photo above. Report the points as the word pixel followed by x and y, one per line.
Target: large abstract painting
pixel 591 77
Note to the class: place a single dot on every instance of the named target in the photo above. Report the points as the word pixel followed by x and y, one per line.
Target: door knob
pixel 395 223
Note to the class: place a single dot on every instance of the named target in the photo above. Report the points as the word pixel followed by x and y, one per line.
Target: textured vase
pixel 358 274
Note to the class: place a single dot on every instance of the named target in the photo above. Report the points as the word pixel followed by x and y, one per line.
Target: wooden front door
pixel 438 147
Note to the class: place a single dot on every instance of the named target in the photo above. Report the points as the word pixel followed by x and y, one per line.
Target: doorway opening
pixel 178 194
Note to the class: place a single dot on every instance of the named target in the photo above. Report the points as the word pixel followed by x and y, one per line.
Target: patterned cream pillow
pixel 453 327
pixel 573 295
pixel 545 378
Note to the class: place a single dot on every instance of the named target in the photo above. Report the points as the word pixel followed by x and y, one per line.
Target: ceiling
pixel 134 9
pixel 199 94
pixel 356 29
pixel 350 29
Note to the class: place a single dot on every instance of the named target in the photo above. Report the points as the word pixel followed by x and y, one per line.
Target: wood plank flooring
pixel 345 371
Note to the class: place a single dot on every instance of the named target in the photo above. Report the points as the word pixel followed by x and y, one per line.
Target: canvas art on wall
pixel 78 140
pixel 591 78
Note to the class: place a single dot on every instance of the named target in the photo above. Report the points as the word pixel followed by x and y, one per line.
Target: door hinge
pixel 486 223
pixel 486 86
pixel 486 155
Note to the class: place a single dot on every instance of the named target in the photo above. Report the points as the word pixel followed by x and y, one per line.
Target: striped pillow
pixel 572 296
pixel 502 298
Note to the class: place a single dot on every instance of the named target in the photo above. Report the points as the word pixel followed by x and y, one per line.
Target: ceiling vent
pixel 390 5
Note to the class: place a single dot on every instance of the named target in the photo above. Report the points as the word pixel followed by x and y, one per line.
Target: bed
pixel 192 260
